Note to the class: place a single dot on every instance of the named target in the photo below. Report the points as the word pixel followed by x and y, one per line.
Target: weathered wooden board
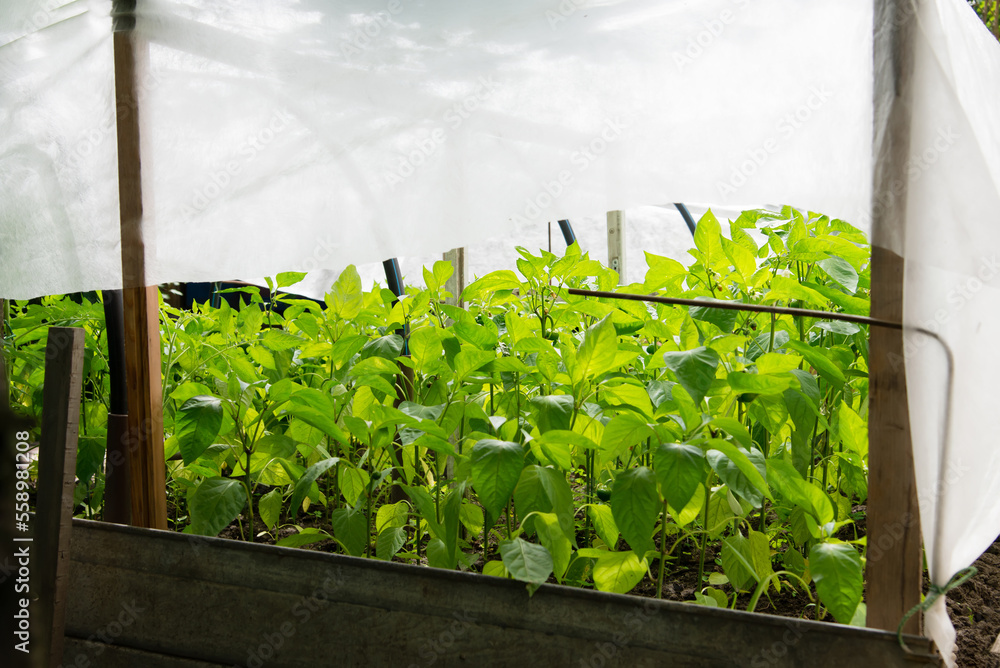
pixel 224 602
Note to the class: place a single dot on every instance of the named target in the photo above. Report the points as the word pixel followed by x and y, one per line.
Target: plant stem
pixel 704 536
pixel 663 551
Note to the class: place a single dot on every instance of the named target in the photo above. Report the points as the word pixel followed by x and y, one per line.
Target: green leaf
pixel 554 411
pixel 214 504
pixel 389 542
pixel 788 289
pixel 708 240
pixel 269 507
pixel 545 490
pixel 819 361
pixel 616 572
pixel 604 524
pixel 350 528
pixel 853 430
pixel 730 473
pixel 391 516
pixel 496 469
pixel 760 555
pixel 288 278
pixel 303 484
pixel 737 561
pixel 304 537
pixel 197 424
pixel 790 485
pixel 504 279
pixel 680 469
pixel 622 433
pixel 753 383
pixel 598 352
pixel 695 370
pixel 526 561
pixel 352 482
pixel 555 541
pixel 470 360
pixel 741 460
pixel 842 272
pixel 836 569
pixel 346 297
pixel 635 504
pixel 743 260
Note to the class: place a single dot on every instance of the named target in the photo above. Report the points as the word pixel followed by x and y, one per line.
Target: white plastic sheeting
pixel 302 135
pixel 953 289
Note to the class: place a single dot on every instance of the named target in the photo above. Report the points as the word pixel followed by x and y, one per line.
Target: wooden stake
pixel 456 283
pixel 141 302
pixel 616 243
pixel 56 484
pixel 895 565
pixel 4 386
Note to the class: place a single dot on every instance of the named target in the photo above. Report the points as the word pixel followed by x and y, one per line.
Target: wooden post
pixel 895 565
pixel 4 386
pixel 616 243
pixel 56 484
pixel 456 283
pixel 141 301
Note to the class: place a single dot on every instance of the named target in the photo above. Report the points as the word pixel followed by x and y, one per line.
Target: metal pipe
pixel 688 218
pixel 567 230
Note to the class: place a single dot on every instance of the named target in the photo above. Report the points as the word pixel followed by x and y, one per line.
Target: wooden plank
pixel 894 565
pixel 56 483
pixel 4 385
pixel 141 301
pixel 456 283
pixel 616 243
pixel 117 482
pixel 93 653
pixel 301 608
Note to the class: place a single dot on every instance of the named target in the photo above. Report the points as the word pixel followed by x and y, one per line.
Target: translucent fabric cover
pixel 294 135
pixel 953 289
pixel 59 227
pixel 305 135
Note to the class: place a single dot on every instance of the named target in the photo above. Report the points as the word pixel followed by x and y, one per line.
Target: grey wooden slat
pixel 219 600
pixel 56 483
pixel 83 654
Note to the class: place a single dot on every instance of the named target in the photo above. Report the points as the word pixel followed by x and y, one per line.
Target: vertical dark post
pixel 394 277
pixel 895 566
pixel 56 482
pixel 117 495
pixel 147 468
pixel 4 387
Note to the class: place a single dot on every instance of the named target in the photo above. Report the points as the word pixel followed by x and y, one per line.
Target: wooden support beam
pixel 56 484
pixel 616 243
pixel 141 301
pixel 895 564
pixel 456 283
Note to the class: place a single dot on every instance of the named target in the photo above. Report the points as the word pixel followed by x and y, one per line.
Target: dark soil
pixel 975 611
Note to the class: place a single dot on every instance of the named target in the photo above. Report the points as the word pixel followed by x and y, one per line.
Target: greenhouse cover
pixel 303 134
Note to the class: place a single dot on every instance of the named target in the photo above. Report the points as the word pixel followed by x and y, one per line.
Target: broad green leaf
pixel 787 289
pixel 304 537
pixel 350 528
pixel 526 561
pixel 215 503
pixel 789 484
pixel 724 319
pixel 842 272
pixel 741 460
pixel 735 429
pixel 552 412
pixel 731 474
pixel 198 423
pixel 497 280
pixel 269 507
pixel 777 363
pixel 743 260
pixel 853 430
pixel 303 484
pixel 496 468
pixel 346 298
pixel 390 541
pixel 470 360
pixel 289 278
pixel 850 304
pixel 760 555
pixel 635 504
pixel 616 572
pixel 623 432
pixel 818 359
pixel 754 383
pixel 545 490
pixel 628 396
pixel 836 569
pixel 680 469
pixel 708 240
pixel 598 352
pixel 737 561
pixel 392 516
pixel 555 541
pixel 695 370
pixel 352 482
pixel 604 524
